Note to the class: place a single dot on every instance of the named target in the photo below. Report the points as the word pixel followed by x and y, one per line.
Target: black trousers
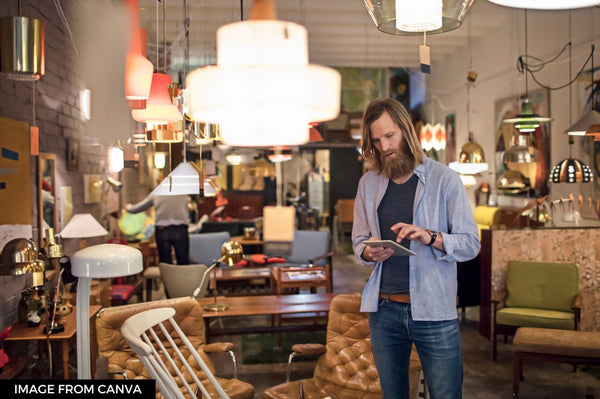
pixel 175 236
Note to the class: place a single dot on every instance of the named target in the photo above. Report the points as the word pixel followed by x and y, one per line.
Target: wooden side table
pixel 21 332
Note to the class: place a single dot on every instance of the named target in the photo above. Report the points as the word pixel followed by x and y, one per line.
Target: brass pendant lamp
pixel 21 48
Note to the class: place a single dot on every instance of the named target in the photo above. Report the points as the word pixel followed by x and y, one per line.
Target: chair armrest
pixel 328 255
pixel 223 347
pixel 309 349
pixel 303 349
pixel 218 347
pixel 500 297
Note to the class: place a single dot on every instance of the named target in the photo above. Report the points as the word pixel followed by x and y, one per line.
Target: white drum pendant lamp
pixel 263 92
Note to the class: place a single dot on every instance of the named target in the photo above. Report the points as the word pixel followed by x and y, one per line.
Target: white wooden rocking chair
pixel 141 331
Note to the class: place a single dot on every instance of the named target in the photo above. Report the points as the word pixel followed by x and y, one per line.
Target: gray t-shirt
pixel 396 206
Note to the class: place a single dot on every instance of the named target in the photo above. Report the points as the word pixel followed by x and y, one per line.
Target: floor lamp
pixel 98 261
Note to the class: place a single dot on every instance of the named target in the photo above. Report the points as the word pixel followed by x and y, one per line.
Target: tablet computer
pixel 399 250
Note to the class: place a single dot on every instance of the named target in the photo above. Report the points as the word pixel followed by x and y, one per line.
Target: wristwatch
pixel 434 235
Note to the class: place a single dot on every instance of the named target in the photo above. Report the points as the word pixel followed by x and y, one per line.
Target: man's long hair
pixel 401 118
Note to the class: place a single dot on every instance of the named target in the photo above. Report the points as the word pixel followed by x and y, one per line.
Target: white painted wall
pixel 494 57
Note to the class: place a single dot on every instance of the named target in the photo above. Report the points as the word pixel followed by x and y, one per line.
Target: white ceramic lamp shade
pixel 98 261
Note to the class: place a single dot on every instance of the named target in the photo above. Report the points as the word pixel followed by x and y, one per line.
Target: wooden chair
pixel 122 361
pixel 538 294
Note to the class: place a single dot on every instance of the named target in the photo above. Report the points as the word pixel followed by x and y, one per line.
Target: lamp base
pixel 57 328
pixel 215 307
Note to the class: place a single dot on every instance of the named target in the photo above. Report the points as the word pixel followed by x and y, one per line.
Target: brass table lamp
pixel 231 253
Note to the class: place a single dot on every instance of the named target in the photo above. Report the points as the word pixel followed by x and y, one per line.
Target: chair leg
pixel 494 346
pixel 148 289
pixel 517 373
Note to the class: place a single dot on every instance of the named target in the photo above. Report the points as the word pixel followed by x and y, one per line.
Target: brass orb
pixel 232 253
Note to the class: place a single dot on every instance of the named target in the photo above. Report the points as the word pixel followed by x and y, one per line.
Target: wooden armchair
pixel 123 361
pixel 346 369
pixel 538 294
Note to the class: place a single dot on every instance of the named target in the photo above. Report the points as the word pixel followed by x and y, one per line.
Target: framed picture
pixel 92 189
pixel 72 153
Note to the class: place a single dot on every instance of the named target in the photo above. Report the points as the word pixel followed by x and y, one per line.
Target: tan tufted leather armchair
pixel 123 361
pixel 346 369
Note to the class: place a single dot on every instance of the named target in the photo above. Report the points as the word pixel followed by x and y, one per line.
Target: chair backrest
pixel 113 346
pixel 182 280
pixel 164 349
pixel 541 285
pixel 344 209
pixel 309 244
pixel 205 248
pixel 348 361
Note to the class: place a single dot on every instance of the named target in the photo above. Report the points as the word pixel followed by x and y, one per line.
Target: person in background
pixel 422 204
pixel 171 225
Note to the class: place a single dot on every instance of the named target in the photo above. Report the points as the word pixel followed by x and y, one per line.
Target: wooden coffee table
pixel 270 305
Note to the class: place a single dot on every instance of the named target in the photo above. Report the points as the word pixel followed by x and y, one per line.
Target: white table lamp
pixel 98 261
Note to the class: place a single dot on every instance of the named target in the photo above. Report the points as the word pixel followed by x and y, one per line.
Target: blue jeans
pixel 393 331
pixel 175 236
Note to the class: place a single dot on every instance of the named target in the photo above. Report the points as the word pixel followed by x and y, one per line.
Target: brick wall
pixel 69 69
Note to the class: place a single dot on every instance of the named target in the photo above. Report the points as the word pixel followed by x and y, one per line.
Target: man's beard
pixel 400 165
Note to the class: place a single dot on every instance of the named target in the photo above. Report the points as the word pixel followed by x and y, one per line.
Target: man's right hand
pixel 376 254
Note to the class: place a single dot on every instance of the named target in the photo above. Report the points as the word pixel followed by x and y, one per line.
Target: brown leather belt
pixel 403 298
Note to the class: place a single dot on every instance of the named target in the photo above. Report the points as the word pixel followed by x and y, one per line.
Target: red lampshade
pixel 159 108
pixel 138 69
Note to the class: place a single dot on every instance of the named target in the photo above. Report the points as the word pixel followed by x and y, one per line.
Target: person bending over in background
pixel 171 225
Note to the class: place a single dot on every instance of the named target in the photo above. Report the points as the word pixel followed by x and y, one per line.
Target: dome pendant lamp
pixel 138 69
pixel 263 92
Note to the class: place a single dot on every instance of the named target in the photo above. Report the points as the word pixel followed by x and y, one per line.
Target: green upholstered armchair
pixel 538 294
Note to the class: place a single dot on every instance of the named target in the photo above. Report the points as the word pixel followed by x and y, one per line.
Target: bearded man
pixel 421 204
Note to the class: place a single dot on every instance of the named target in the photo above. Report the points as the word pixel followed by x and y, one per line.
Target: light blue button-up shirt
pixel 441 204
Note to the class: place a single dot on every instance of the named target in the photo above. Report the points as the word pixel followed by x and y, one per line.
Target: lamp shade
pixel 527 121
pixel 547 4
pixel 418 16
pixel 582 125
pixel 159 108
pixel 83 225
pixel 571 170
pixel 263 92
pixel 401 17
pixel 471 160
pixel 138 69
pixel 184 179
pixel 22 48
pixel 107 261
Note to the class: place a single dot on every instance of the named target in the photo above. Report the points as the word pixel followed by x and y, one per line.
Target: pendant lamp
pixel 263 92
pixel 159 108
pixel 585 125
pixel 403 17
pixel 471 160
pixel 527 121
pixel 138 69
pixel 433 137
pixel 547 4
pixel 21 48
pixel 184 179
pixel 571 170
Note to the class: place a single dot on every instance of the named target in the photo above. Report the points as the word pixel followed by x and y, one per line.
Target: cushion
pixel 262 259
pixel 121 292
pixel 527 317
pixel 541 285
pixel 558 342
